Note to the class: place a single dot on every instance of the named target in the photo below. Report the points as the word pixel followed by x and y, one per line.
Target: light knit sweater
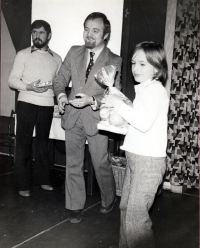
pixel 147 133
pixel 29 67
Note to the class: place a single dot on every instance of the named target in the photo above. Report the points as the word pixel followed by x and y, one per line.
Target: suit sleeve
pixel 62 79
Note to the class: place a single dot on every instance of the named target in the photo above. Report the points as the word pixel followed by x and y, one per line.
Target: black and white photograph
pixel 99 124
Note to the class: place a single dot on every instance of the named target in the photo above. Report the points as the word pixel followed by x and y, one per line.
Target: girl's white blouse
pixel 147 133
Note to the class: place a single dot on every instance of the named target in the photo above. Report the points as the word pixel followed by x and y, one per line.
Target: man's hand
pixel 49 87
pixel 81 100
pixel 34 87
pixel 61 103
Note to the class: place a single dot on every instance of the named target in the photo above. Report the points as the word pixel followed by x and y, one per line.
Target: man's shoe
pixel 25 193
pixel 47 187
pixel 76 216
pixel 105 210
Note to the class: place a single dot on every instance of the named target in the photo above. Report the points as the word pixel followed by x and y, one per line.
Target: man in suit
pixel 81 114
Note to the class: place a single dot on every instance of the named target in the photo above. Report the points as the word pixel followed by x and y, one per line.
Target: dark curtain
pixel 183 125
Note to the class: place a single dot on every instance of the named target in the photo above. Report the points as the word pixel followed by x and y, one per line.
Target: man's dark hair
pixel 155 55
pixel 41 23
pixel 106 22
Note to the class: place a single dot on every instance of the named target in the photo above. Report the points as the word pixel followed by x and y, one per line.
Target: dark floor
pixel 42 221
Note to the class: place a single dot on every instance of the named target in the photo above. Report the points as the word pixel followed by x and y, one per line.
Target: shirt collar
pixel 97 52
pixel 143 85
pixel 33 49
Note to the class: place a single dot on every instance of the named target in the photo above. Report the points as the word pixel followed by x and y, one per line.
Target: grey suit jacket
pixel 74 68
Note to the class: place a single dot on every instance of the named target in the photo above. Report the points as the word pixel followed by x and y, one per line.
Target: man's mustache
pixel 37 39
pixel 89 38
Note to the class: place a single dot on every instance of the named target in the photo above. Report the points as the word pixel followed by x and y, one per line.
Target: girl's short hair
pixel 155 55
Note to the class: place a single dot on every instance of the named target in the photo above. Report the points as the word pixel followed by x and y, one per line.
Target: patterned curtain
pixel 183 125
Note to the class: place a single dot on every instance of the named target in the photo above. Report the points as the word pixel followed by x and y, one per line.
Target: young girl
pixel 145 143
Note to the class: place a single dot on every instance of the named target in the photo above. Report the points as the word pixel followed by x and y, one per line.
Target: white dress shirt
pixel 96 55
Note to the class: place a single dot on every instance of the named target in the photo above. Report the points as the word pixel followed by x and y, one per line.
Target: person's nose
pixel 37 35
pixel 135 68
pixel 89 34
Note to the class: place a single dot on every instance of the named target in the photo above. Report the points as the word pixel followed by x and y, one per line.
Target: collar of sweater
pixel 33 49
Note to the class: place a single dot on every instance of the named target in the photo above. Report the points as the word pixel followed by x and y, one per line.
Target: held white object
pixel 104 113
pixel 103 125
pixel 43 84
pixel 110 120
pixel 116 119
pixel 106 75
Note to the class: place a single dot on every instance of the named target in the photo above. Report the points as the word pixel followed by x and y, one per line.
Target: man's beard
pixel 90 44
pixel 39 45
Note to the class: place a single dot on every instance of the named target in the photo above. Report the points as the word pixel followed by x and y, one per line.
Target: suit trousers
pixel 28 116
pixel 143 176
pixel 75 191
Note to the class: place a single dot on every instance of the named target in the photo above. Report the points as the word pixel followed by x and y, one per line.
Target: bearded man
pixel 81 114
pixel 34 67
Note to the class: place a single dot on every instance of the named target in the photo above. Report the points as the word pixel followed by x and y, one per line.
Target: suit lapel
pixel 99 63
pixel 81 60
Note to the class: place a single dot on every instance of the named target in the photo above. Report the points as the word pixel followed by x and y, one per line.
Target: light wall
pixel 66 18
pixel 8 54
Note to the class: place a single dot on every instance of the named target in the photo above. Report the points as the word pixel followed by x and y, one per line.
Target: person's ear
pixel 49 36
pixel 155 71
pixel 105 36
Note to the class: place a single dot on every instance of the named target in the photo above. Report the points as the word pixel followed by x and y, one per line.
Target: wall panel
pixel 15 35
pixel 8 54
pixel 66 18
pixel 142 21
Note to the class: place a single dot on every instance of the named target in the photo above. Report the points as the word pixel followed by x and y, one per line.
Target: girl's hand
pixel 111 101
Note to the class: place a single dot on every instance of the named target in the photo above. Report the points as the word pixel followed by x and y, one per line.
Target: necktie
pixel 89 68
